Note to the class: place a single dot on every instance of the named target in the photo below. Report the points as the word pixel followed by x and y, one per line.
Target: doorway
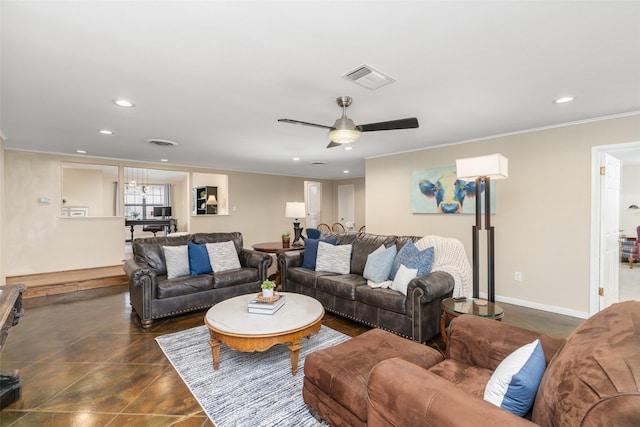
pixel 313 203
pixel 346 202
pixel 625 279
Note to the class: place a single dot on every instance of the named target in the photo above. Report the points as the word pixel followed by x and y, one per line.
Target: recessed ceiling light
pixel 348 147
pixel 295 159
pixel 164 160
pixel 345 171
pixel 105 132
pixel 123 103
pixel 81 151
pixel 564 99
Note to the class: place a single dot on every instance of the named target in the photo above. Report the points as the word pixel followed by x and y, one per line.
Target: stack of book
pixel 260 307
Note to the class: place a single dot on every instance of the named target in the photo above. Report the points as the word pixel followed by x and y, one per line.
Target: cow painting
pixel 440 191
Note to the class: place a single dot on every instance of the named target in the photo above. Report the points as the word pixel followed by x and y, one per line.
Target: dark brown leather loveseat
pixel 415 316
pixel 154 296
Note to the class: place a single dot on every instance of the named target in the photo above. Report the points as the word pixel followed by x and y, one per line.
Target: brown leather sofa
pixel 591 379
pixel 415 316
pixel 154 296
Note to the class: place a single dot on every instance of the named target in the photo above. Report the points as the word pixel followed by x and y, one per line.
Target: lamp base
pixel 297 234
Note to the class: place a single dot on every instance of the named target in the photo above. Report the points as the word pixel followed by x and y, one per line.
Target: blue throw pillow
pixel 379 263
pixel 199 259
pixel 412 258
pixel 311 251
pixel 514 384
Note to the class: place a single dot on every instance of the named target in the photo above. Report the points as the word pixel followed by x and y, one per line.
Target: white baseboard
pixel 544 307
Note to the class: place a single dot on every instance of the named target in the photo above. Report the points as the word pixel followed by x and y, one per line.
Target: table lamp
pixel 295 210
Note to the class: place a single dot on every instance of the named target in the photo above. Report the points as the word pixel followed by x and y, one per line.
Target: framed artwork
pixel 439 191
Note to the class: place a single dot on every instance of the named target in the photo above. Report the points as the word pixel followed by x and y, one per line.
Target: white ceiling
pixel 215 76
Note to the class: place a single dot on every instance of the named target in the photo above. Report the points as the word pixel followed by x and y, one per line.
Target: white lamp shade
pixel 295 210
pixel 212 200
pixel 493 166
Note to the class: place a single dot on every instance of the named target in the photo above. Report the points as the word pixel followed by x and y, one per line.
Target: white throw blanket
pixel 450 257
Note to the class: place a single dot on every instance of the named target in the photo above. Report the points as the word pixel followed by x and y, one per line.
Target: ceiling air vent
pixel 367 77
pixel 318 162
pixel 162 142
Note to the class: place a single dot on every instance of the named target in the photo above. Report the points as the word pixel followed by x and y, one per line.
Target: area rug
pixel 249 389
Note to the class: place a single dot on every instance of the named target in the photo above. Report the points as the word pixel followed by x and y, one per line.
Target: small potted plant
pixel 286 239
pixel 267 288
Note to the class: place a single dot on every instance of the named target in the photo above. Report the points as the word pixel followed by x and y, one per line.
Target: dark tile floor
pixel 85 361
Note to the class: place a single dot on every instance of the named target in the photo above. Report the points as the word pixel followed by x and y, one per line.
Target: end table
pixel 452 309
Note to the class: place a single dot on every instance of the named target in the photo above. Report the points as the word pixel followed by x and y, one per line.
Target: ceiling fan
pixel 344 131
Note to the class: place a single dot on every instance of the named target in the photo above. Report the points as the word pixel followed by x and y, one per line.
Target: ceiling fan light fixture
pixel 343 136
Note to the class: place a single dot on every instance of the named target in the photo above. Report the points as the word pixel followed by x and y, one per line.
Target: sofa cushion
pixel 225 279
pixel 514 383
pixel 402 278
pixel 333 259
pixel 167 288
pixel 305 277
pixel 411 257
pixel 342 286
pixel 385 299
pixel 223 256
pixel 199 262
pixel 311 251
pixel 177 261
pixel 379 264
pixel 149 250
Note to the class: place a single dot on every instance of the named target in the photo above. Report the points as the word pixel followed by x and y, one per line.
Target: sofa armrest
pixel 485 343
pixel 434 286
pixel 287 260
pixel 254 259
pixel 137 271
pixel 403 394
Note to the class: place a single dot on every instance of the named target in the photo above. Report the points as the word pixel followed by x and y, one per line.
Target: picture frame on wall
pixel 439 191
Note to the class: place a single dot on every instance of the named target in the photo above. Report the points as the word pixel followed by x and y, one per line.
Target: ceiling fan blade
pixel 298 122
pixel 333 144
pixel 408 123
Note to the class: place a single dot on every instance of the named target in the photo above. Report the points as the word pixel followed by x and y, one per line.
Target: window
pixel 139 200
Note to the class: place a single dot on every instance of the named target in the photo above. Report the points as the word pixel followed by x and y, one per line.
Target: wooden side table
pixel 452 309
pixel 275 248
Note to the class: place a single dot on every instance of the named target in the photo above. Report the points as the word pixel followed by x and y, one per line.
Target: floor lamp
pixel 295 210
pixel 483 169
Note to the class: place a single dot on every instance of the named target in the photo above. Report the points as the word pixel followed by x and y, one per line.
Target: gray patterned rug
pixel 249 389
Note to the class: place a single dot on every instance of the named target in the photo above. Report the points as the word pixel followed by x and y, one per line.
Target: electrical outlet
pixel 518 276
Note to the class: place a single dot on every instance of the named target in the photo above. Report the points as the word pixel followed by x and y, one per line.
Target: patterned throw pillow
pixel 379 263
pixel 403 277
pixel 311 251
pixel 411 257
pixel 198 259
pixel 177 259
pixel 334 259
pixel 223 256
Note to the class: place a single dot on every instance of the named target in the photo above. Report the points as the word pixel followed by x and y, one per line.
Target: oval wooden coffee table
pixel 230 323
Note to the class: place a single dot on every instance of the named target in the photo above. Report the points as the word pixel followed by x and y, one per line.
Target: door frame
pixel 594 262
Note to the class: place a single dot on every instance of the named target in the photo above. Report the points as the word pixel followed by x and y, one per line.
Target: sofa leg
pixel 146 324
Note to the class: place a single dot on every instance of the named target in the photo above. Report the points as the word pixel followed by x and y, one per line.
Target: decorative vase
pixel 267 293
pixel 286 242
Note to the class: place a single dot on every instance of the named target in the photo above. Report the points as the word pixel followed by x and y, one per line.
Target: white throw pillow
pixel 403 277
pixel 223 256
pixel 177 259
pixel 334 259
pixel 514 384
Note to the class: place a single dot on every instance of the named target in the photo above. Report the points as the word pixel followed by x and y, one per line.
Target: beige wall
pixel 543 209
pixel 42 241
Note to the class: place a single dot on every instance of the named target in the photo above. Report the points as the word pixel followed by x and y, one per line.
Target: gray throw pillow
pixel 334 259
pixel 223 256
pixel 177 259
pixel 379 264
